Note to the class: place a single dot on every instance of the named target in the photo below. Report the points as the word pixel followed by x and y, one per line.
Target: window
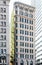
pixel 1 30
pixel 27 62
pixel 16 63
pixel 30 15
pixel 16 7
pixel 4 51
pixel 31 56
pixel 1 16
pixel 27 56
pixel 21 25
pixel 16 49
pixel 25 20
pixel 21 37
pixel 21 55
pixel 26 50
pixel 26 26
pixel 4 2
pixel 4 17
pixel 3 44
pixel 32 22
pixel 4 23
pixel 21 31
pixel 21 8
pixel 26 39
pixel 16 55
pixel 21 13
pixel 1 23
pixel 16 18
pixel 31 62
pixel 21 49
pixel 20 19
pixel 4 30
pixel 16 11
pixel 31 27
pixel 26 44
pixel 31 39
pixel 31 50
pixel 22 62
pixel 16 25
pixel 1 51
pixel 16 31
pixel 21 43
pixel 26 32
pixel 1 37
pixel 16 37
pixel 31 45
pixel 4 10
pixel 4 37
pixel 31 33
pixel 26 14
pixel 16 43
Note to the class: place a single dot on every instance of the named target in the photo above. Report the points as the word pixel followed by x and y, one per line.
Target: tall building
pixel 24 23
pixel 4 32
pixel 38 30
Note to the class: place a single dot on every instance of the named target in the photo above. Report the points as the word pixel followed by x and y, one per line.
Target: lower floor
pixel 24 62
pixel 4 59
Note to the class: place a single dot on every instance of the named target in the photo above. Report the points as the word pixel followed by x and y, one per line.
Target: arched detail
pixel 27 62
pixel 31 62
pixel 21 62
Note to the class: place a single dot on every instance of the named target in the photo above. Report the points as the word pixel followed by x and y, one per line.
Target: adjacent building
pixel 4 32
pixel 38 30
pixel 24 26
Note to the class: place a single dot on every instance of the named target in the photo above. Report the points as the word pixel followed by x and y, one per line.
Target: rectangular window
pixel 21 55
pixel 1 51
pixel 26 32
pixel 4 24
pixel 4 10
pixel 4 17
pixel 26 44
pixel 21 43
pixel 21 31
pixel 4 51
pixel 16 31
pixel 16 55
pixel 16 25
pixel 16 49
pixel 21 49
pixel 26 39
pixel 21 37
pixel 21 25
pixel 16 11
pixel 16 37
pixel 26 50
pixel 16 43
pixel 27 56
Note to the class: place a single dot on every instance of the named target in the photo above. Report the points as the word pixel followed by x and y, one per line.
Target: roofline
pixel 24 4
